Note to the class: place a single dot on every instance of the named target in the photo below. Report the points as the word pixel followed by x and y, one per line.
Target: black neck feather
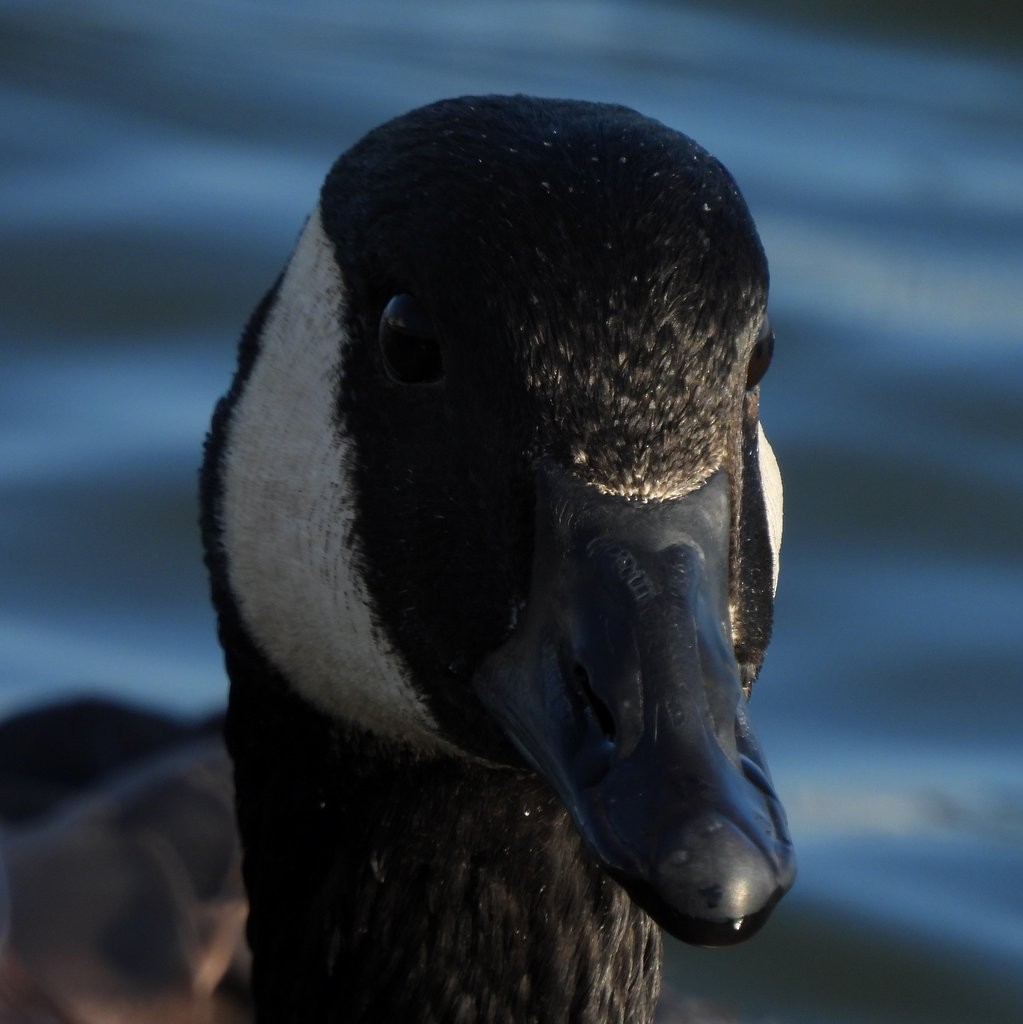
pixel 385 888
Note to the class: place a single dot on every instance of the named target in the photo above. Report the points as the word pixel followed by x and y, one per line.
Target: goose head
pixel 490 484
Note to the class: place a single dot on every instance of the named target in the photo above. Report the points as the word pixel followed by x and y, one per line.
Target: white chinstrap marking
pixel 288 514
pixel 770 481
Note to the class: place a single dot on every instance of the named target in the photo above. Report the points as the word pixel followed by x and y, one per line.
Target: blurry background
pixel 156 165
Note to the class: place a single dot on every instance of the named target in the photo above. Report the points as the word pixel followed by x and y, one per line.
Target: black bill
pixel 620 686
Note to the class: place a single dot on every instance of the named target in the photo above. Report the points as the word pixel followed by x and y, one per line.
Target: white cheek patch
pixel 288 513
pixel 770 481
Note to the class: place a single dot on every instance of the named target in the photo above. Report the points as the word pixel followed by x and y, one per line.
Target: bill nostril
pixel 601 712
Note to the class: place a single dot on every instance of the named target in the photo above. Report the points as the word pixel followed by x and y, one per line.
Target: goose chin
pixel 620 687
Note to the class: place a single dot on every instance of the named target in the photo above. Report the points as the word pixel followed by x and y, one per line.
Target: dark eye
pixel 408 342
pixel 760 358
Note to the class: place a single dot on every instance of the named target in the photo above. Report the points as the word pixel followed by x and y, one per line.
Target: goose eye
pixel 760 358
pixel 408 342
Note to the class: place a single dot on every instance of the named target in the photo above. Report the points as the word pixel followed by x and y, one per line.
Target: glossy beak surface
pixel 620 686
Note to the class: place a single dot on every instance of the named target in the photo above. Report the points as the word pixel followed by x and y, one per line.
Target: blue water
pixel 157 161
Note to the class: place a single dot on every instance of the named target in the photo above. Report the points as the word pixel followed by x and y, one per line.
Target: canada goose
pixel 492 530
pixel 121 862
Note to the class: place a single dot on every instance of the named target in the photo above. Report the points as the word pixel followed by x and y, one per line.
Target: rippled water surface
pixel 157 163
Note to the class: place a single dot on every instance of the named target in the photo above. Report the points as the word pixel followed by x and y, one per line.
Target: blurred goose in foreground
pixel 493 530
pixel 123 898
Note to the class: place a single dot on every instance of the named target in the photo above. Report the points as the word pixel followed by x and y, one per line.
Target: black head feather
pixel 596 283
